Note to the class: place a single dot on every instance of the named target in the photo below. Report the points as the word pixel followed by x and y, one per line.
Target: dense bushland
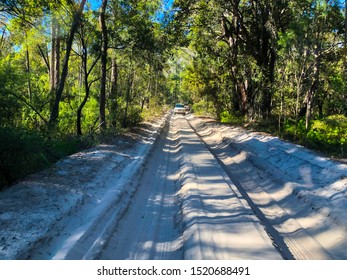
pixel 327 135
pixel 278 66
pixel 24 151
pixel 72 69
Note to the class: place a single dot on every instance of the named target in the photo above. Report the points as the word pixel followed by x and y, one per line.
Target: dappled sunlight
pixel 290 226
pixel 283 192
pixel 242 156
pixel 219 224
pixel 288 185
pixel 66 246
pixel 206 132
pixel 228 237
pixel 306 174
pixel 334 238
pixel 230 197
pixel 292 150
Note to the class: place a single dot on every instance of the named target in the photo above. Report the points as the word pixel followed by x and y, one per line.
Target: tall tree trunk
pixel 104 45
pixel 345 61
pixel 2 41
pixel 114 92
pixel 269 81
pixel 345 27
pixel 86 86
pixel 76 21
pixel 45 57
pixel 85 81
pixel 28 71
pixel 128 95
pixel 314 87
pixel 55 59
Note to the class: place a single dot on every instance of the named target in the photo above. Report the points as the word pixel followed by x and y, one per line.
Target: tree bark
pixel 55 59
pixel 258 42
pixel 344 96
pixel 314 87
pixel 45 57
pixel 114 92
pixel 128 95
pixel 2 41
pixel 59 91
pixel 86 86
pixel 28 71
pixel 104 46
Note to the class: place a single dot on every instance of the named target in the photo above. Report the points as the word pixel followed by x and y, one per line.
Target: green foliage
pixel 269 73
pixel 10 84
pixel 25 151
pixel 327 135
pixel 154 109
pixel 139 90
pixel 295 131
pixel 133 116
pixel 20 152
pixel 204 108
pixel 227 117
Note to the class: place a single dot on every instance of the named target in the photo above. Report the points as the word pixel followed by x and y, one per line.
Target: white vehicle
pixel 179 109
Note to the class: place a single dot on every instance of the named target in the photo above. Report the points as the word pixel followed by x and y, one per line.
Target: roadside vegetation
pixel 73 71
pixel 327 135
pixel 72 74
pixel 24 151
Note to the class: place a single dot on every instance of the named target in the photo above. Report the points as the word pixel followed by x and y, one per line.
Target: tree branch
pixel 44 58
pixel 93 65
pixel 30 106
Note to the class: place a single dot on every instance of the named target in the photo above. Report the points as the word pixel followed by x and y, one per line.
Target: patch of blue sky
pixel 164 11
pixel 160 16
pixel 94 4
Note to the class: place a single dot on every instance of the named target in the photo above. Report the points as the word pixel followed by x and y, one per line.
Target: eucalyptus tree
pixel 89 56
pixel 250 30
pixel 103 51
pixel 21 22
pixel 65 67
pixel 133 38
pixel 273 51
pixel 311 58
pixel 4 37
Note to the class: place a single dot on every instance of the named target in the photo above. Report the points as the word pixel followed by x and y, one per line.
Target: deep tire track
pixel 148 230
pixel 276 237
pixel 302 231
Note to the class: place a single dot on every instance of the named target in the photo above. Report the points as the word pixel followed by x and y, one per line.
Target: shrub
pixel 21 152
pixel 204 108
pixel 25 151
pixel 327 135
pixel 226 117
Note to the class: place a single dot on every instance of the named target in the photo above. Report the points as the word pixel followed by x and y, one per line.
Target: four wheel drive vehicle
pixel 179 109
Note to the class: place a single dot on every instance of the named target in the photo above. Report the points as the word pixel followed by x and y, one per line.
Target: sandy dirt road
pixel 186 207
pixel 150 229
pixel 182 188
